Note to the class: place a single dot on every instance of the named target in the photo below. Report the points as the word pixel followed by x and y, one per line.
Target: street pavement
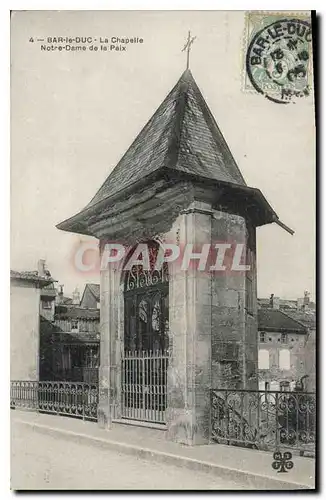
pixel 43 462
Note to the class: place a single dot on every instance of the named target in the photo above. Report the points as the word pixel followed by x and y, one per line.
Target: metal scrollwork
pixel 264 419
pixel 138 277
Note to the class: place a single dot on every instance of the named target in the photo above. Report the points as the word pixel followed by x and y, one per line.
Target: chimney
pixel 60 295
pixel 303 302
pixel 300 305
pixel 41 267
pixel 306 298
pixel 76 297
pixel 274 302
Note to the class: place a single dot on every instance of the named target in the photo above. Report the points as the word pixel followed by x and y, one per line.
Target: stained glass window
pixel 146 306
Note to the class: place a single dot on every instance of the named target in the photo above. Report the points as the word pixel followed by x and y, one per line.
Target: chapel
pixel 169 337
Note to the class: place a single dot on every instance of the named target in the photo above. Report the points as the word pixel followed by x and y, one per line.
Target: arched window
pixel 146 305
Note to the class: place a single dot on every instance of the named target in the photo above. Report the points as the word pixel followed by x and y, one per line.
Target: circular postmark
pixel 278 60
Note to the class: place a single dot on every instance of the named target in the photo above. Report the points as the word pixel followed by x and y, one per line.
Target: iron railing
pixel 74 399
pixel 144 386
pixel 266 420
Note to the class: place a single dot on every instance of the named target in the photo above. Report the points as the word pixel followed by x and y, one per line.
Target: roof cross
pixel 187 46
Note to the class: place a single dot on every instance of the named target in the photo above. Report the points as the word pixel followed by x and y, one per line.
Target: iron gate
pixel 144 383
pixel 146 340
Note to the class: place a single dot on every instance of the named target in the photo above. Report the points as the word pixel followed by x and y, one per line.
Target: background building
pixel 286 348
pixel 70 343
pixel 25 308
pixel 48 299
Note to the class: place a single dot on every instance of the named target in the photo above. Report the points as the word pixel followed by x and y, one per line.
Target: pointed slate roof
pixel 181 140
pixel 94 288
pixel 183 135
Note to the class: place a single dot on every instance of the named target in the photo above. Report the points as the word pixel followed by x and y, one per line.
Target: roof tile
pixel 278 321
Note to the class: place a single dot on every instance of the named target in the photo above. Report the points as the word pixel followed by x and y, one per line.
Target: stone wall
pixel 234 310
pixel 110 350
pixel 24 330
pixel 296 344
pixel 189 376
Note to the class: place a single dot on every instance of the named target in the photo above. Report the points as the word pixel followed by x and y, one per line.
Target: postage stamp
pixel 278 55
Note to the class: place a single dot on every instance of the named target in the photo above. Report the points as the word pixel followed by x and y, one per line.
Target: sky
pixel 74 114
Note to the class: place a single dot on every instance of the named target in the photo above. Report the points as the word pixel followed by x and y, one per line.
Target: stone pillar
pixel 234 309
pixel 189 371
pixel 251 331
pixel 109 345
